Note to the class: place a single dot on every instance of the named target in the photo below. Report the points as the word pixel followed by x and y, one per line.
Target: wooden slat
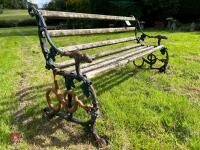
pixel 99 55
pixel 120 63
pixel 117 58
pixel 57 33
pixel 73 15
pixel 106 60
pixel 111 52
pixel 111 57
pixel 97 44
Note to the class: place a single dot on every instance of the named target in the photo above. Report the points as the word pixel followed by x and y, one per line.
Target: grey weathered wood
pixel 97 44
pixel 69 63
pixel 104 69
pixel 57 33
pixel 117 58
pixel 107 60
pixel 72 15
pixel 111 52
pixel 146 53
pixel 111 57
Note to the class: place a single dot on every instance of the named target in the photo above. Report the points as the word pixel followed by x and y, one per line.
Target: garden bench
pixel 83 67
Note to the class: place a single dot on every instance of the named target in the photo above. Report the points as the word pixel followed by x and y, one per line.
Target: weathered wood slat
pixel 97 44
pixel 57 33
pixel 120 63
pixel 108 59
pixel 111 52
pixel 97 56
pixel 73 15
pixel 111 57
pixel 115 59
pixel 146 53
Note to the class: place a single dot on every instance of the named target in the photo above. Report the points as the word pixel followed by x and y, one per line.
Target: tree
pixel 189 10
pixel 159 9
pixel 149 10
pixel 123 7
pixel 14 4
pixel 78 5
pixel 1 8
pixel 56 5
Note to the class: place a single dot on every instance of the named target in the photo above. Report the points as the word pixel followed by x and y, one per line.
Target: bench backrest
pixel 43 32
pixel 71 15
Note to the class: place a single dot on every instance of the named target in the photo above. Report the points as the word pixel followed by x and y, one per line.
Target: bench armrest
pixel 78 56
pixel 143 36
pixel 159 37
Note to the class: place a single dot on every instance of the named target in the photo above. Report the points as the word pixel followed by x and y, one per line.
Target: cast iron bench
pixel 82 67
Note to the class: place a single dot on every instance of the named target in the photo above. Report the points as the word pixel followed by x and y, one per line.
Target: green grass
pixel 15 17
pixel 14 14
pixel 140 108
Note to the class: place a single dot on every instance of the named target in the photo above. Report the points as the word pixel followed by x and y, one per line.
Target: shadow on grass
pixel 56 132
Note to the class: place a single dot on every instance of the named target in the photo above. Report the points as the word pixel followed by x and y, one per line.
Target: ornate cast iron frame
pixel 152 58
pixel 69 100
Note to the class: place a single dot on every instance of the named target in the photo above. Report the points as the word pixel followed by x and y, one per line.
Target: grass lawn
pixel 15 17
pixel 14 14
pixel 140 108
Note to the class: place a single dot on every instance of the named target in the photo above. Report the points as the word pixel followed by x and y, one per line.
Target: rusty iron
pixel 63 99
pixel 77 55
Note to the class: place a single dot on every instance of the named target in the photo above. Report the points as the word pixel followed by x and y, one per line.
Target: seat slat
pixel 115 59
pixel 73 15
pixel 97 56
pixel 97 44
pixel 111 52
pixel 107 60
pixel 104 69
pixel 112 57
pixel 57 33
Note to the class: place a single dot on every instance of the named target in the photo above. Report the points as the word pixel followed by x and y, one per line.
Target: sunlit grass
pixel 9 14
pixel 140 108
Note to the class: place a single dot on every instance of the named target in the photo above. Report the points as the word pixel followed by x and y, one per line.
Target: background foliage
pixel 14 4
pixel 143 9
pixel 149 10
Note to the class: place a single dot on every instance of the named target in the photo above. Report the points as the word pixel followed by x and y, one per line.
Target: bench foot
pixel 100 142
pixel 152 59
pixel 89 126
pixel 48 114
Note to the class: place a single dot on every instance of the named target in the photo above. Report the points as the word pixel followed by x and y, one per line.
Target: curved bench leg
pixel 52 110
pixel 88 89
pixel 70 102
pixel 152 59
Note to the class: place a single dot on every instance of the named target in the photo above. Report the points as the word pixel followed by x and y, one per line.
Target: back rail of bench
pixel 58 33
pixel 73 15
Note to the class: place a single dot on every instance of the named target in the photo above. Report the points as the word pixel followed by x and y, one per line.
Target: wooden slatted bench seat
pixel 82 67
pixel 112 61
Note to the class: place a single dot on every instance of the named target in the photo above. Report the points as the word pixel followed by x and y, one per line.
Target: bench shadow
pixel 44 133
